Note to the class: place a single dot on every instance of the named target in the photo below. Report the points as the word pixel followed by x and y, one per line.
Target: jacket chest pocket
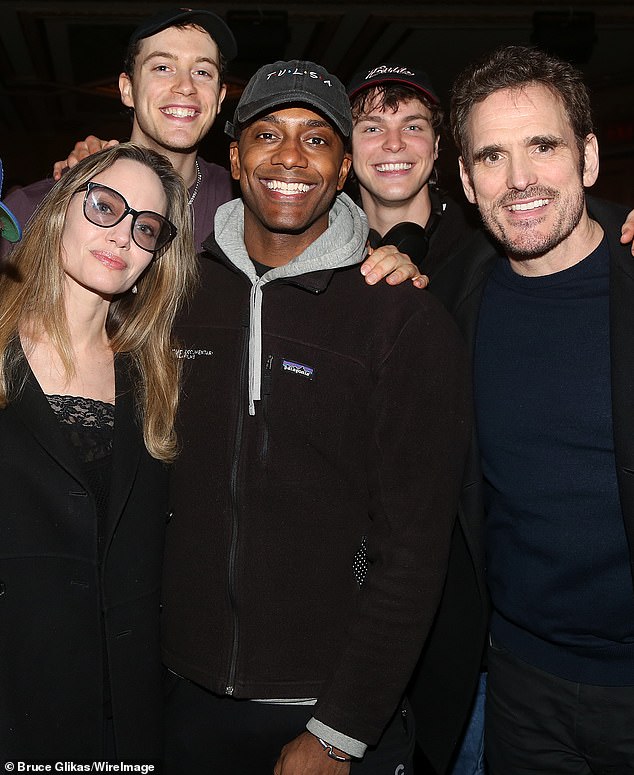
pixel 309 403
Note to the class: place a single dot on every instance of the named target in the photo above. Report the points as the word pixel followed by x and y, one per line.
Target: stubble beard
pixel 526 242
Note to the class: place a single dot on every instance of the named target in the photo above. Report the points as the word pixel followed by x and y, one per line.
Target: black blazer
pixel 442 688
pixel 57 607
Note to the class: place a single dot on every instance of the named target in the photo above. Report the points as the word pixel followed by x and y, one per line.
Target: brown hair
pixel 515 67
pixel 389 96
pixel 32 296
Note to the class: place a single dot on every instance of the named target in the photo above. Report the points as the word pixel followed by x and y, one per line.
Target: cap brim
pixel 11 230
pixel 258 107
pixel 402 81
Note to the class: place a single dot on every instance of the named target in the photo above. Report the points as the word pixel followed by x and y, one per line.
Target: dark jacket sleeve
pixel 421 415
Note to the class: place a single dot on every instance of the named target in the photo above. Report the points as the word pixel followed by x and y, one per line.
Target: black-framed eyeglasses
pixel 106 207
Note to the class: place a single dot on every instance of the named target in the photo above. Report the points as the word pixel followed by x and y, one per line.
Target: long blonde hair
pixel 32 294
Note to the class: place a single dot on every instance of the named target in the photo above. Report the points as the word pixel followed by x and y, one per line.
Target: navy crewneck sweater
pixel 557 557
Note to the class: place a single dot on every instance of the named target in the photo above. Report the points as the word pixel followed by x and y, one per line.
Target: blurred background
pixel 60 61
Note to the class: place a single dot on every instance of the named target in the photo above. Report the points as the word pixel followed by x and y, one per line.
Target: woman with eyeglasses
pixel 88 394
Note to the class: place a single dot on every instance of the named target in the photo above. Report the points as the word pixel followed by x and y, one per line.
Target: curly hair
pixel 389 96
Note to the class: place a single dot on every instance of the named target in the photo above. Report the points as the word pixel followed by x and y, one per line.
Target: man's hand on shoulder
pixel 386 262
pixel 82 149
pixel 627 230
pixel 305 756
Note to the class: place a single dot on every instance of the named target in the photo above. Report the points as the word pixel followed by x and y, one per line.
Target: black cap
pixel 393 73
pixel 209 21
pixel 290 83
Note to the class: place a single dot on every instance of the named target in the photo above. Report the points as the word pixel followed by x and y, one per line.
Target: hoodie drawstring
pixel 255 345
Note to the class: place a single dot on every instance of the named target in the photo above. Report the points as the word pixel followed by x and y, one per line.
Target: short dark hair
pixel 388 96
pixel 515 67
pixel 134 46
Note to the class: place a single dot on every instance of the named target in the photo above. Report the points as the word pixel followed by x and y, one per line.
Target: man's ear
pixel 590 160
pixel 234 160
pixel 221 95
pixel 436 147
pixel 346 163
pixel 125 89
pixel 466 182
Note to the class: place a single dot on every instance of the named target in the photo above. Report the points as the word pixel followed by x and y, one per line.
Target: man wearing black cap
pixel 307 546
pixel 172 81
pixel 397 119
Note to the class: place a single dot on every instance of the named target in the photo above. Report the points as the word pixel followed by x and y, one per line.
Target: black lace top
pixel 88 425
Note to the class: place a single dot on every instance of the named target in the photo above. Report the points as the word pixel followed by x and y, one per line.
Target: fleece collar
pixel 342 244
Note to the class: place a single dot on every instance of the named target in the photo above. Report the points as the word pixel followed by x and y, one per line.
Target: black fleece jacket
pixel 361 430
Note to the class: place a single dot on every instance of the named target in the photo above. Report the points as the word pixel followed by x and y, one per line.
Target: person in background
pixel 10 229
pixel 397 120
pixel 395 143
pixel 88 394
pixel 173 84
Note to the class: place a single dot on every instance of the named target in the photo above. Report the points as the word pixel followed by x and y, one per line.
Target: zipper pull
pixel 267 376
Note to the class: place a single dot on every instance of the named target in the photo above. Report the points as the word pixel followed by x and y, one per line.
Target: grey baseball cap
pixel 293 83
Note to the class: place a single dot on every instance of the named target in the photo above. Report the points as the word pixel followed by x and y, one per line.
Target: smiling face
pixel 527 178
pixel 175 89
pixel 393 152
pixel 106 261
pixel 290 164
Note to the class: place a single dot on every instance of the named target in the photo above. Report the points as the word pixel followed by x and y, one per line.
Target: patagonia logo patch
pixel 297 368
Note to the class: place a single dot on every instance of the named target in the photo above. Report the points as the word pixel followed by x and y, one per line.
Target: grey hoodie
pixel 342 244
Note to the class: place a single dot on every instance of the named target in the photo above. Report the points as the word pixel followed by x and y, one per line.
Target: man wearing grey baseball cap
pixel 308 543
pixel 304 83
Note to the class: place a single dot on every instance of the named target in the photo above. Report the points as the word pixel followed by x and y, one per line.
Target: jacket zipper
pixel 233 549
pixel 266 389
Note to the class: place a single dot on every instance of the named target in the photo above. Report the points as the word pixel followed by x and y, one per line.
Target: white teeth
pixel 180 112
pixel 287 188
pixel 528 205
pixel 403 165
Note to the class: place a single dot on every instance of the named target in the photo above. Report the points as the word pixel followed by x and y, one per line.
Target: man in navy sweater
pixel 550 318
